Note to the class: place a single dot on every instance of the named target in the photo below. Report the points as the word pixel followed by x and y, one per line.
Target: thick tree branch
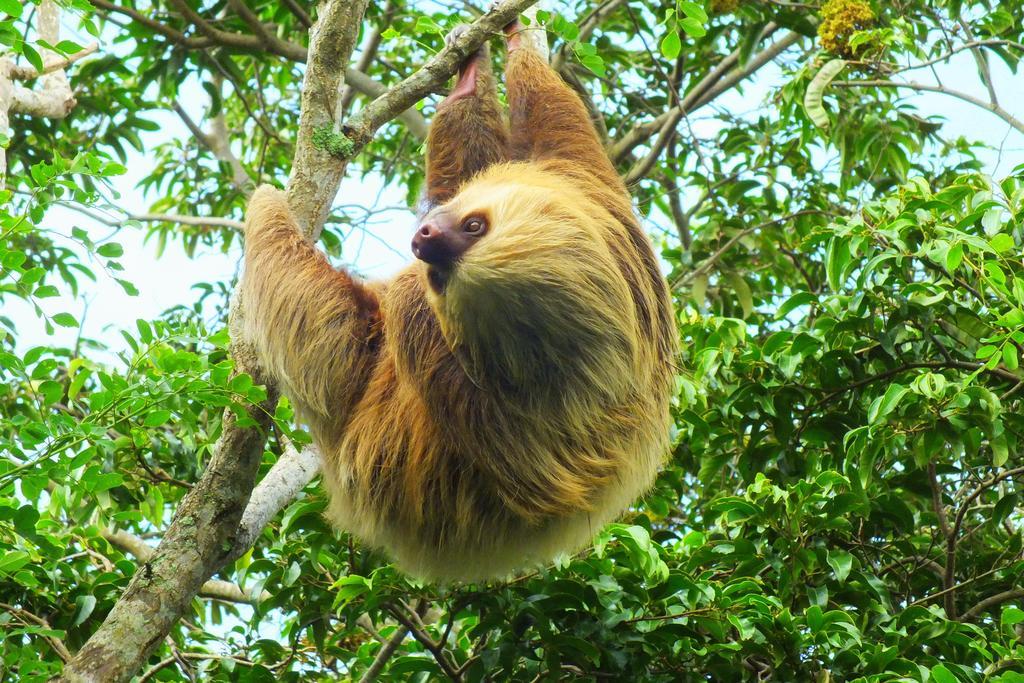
pixel 53 97
pixel 364 85
pixel 289 475
pixel 367 55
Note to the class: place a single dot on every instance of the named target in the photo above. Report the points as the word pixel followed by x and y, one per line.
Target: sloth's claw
pixel 454 34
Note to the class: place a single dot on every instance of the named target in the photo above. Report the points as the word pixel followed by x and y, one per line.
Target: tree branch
pixel 992 601
pixel 216 142
pixel 214 588
pixel 185 220
pixel 981 60
pixel 436 649
pixel 937 506
pixel 707 264
pixel 354 77
pixel 366 57
pixel 636 135
pixel 289 475
pixel 28 73
pixel 705 92
pixel 926 87
pixel 29 618
pixel 385 653
pixel 951 541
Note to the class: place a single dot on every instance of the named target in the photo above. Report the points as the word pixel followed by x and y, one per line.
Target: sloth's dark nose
pixel 439 242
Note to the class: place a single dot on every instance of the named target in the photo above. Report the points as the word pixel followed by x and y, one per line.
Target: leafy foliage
pixel 844 499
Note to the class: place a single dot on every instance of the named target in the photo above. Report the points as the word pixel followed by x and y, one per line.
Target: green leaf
pixel 68 47
pixel 671 45
pixel 347 588
pixel 86 604
pixel 841 563
pixel 955 256
pixel 32 276
pixel 1011 616
pixel 78 381
pixel 693 28
pixel 156 418
pixel 814 98
pixel 595 63
pixel 110 250
pixel 52 391
pixel 692 9
pixel 1000 450
pixel 837 257
pixel 65 320
pixel 13 560
pixel 796 301
pixel 13 259
pixel 425 24
pixel 32 56
pixel 940 674
pixel 12 7
pixel 1010 359
pixel 986 351
pixel 128 287
pixel 885 404
pixel 1001 242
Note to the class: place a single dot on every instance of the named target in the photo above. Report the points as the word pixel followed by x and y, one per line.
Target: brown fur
pixel 475 432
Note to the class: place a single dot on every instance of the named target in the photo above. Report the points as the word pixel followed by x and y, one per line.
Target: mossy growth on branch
pixel 840 19
pixel 334 143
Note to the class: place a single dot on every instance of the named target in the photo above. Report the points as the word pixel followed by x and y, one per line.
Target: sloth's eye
pixel 474 226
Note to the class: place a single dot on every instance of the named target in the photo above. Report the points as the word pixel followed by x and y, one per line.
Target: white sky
pixel 168 280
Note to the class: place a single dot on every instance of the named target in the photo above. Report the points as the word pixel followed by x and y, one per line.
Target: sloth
pixel 498 401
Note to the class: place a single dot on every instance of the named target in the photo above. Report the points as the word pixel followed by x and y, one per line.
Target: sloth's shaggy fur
pixel 483 428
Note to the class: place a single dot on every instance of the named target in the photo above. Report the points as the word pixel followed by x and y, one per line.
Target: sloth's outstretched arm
pixel 314 328
pixel 547 119
pixel 469 132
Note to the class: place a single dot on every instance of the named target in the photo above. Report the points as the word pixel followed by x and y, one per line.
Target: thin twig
pixel 426 641
pixel 26 616
pixel 926 87
pixel 951 541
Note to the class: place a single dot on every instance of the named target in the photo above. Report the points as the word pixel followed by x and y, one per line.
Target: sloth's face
pixel 500 225
pixel 518 270
pixel 444 236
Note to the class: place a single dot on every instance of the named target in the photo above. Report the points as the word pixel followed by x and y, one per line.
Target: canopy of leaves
pixel 844 500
